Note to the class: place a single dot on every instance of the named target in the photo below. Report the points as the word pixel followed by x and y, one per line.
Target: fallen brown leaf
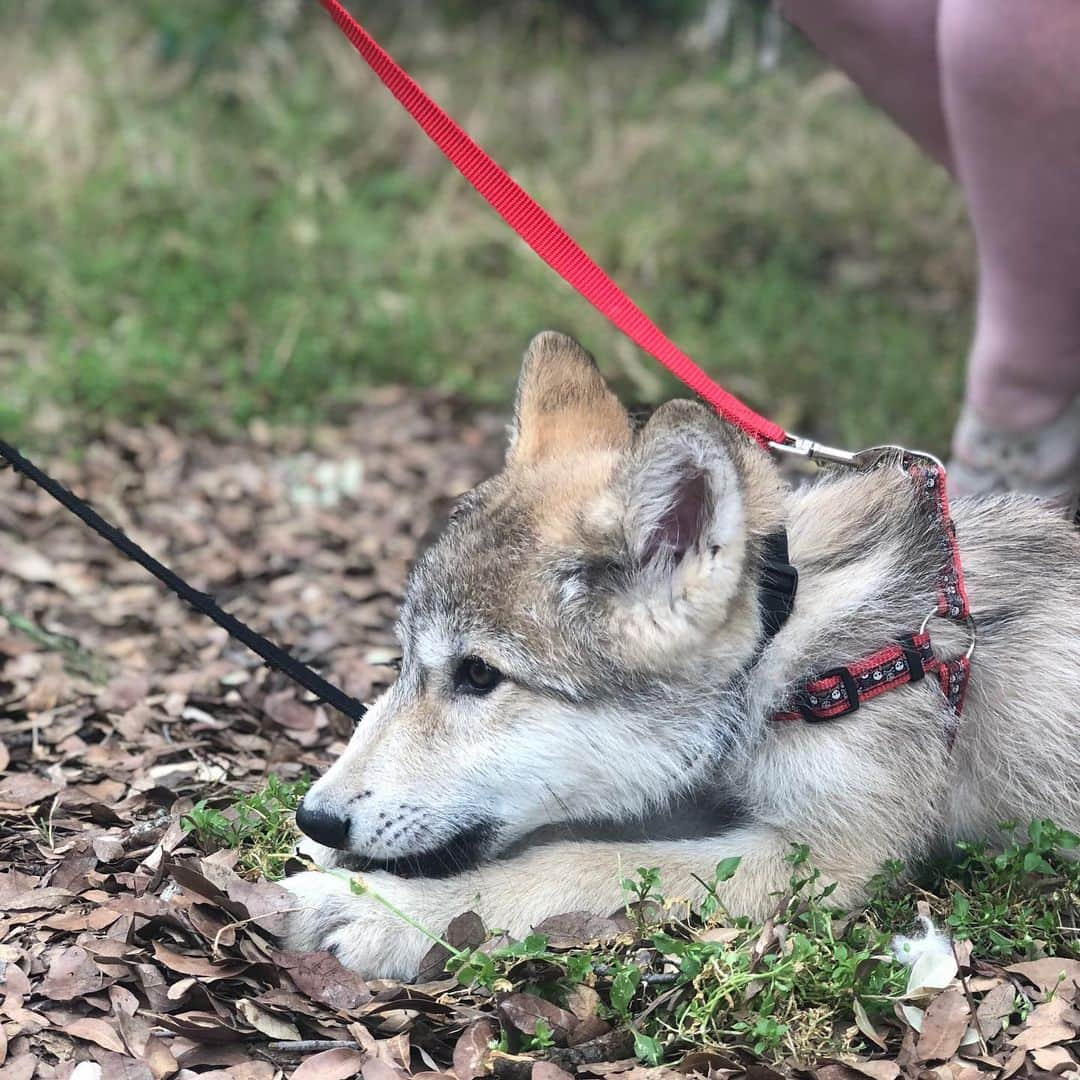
pixel 270 1024
pixel 525 1011
pixel 1047 974
pixel 338 1064
pixel 374 1069
pixel 583 1001
pixel 1056 1060
pixel 863 1023
pixel 993 1012
pixel 22 1067
pixel 876 1070
pixel 71 974
pixel 207 970
pixel 96 1031
pixel 1052 1022
pixel 546 1070
pixel 472 1053
pixel 944 1025
pixel 22 790
pixel 322 977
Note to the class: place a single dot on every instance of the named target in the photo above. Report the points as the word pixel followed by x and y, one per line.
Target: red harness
pixel 841 690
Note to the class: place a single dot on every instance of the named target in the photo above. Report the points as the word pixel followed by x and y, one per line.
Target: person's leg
pixel 991 89
pixel 1011 87
pixel 889 49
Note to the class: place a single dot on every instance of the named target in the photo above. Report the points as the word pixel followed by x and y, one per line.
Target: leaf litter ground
pixel 131 948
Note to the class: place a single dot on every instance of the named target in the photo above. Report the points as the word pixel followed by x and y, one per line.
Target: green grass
pixel 210 218
pixel 1020 902
pixel 76 659
pixel 260 827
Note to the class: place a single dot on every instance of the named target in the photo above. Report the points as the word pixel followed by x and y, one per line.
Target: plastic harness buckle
pixel 810 703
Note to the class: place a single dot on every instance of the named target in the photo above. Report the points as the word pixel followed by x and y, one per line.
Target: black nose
pixel 324 828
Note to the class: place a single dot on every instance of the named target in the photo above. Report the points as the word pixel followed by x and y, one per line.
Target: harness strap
pixel 930 486
pixel 841 690
pixel 543 233
pixel 952 600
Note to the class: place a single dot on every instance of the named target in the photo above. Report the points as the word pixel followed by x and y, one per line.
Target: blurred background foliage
pixel 212 212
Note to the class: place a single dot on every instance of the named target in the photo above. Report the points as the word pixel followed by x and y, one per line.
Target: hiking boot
pixel 1045 461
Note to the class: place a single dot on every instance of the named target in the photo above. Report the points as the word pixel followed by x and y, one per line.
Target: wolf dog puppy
pixel 586 683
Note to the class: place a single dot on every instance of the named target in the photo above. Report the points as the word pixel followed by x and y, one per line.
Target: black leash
pixel 274 656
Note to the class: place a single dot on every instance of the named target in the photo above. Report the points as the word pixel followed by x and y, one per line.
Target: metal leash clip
pixel 871 458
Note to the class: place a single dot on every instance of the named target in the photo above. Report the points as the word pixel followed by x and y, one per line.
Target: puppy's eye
pixel 476 676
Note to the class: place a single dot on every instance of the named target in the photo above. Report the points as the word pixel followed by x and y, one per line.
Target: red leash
pixel 544 234
pixel 836 692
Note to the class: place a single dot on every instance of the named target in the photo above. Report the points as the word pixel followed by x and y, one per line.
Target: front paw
pixel 362 932
pixel 322 903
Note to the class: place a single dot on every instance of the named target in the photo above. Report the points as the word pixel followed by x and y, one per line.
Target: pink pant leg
pixel 991 89
pixel 1011 88
pixel 889 49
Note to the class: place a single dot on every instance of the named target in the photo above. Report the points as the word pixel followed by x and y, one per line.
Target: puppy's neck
pixel 867 556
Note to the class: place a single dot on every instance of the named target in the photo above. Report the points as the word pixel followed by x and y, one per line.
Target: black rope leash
pixel 273 655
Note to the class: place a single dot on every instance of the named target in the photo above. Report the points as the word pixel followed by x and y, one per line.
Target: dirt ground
pixel 130 951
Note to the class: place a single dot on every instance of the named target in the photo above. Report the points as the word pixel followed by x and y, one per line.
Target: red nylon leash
pixel 543 233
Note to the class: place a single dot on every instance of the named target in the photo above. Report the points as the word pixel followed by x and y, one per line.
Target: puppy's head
pixel 561 640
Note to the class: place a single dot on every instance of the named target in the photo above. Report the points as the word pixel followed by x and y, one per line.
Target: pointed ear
pixel 563 404
pixel 681 491
pixel 681 519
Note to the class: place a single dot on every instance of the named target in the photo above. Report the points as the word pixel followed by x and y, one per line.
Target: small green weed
pixel 776 992
pixel 781 995
pixel 1021 901
pixel 76 659
pixel 644 887
pixel 260 826
pixel 1013 902
pixel 541 1039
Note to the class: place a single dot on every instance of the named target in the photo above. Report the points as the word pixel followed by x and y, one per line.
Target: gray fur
pixel 637 685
